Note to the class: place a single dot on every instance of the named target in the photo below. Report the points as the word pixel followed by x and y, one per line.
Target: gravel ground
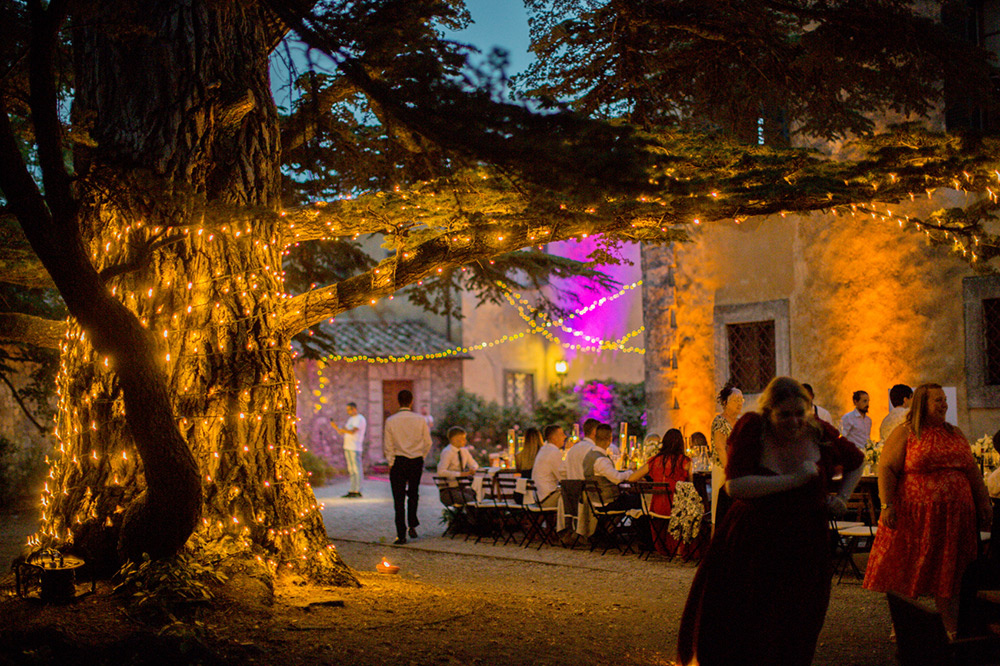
pixel 453 602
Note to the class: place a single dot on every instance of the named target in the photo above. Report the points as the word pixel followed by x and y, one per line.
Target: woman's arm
pixel 981 496
pixel 719 446
pixel 639 474
pixel 890 467
pixel 756 485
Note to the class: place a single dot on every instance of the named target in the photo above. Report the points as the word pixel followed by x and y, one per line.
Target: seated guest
pixel 524 459
pixel 456 461
pixel 576 453
pixel 548 470
pixel 669 465
pixel 597 466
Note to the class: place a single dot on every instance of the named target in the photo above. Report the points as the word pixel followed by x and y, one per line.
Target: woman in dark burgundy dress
pixel 761 593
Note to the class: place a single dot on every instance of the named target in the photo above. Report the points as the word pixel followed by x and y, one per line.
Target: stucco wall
pixel 869 304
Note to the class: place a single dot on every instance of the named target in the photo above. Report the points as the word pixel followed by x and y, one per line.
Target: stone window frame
pixel 528 377
pixel 743 313
pixel 975 290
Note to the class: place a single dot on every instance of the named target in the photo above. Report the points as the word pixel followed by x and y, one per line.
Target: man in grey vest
pixel 597 466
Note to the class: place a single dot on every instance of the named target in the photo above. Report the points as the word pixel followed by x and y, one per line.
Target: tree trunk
pixel 659 310
pixel 178 105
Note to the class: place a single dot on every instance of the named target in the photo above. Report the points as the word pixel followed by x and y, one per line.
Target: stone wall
pixel 326 388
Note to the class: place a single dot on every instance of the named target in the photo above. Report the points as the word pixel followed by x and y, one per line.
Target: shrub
pixel 320 472
pixel 22 469
pixel 486 422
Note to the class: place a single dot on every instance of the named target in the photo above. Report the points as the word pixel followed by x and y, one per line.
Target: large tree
pixel 167 231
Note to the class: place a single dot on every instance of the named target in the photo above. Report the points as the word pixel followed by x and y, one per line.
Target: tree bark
pixel 177 101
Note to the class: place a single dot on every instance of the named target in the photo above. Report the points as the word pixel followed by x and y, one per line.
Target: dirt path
pixel 454 602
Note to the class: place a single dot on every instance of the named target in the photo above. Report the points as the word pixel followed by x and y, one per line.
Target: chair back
pixel 572 491
pixel 860 507
pixel 506 490
pixel 648 490
pixel 451 495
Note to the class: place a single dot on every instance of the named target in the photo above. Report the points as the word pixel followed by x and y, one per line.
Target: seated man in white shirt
pixel 576 453
pixel 456 460
pixel 548 470
pixel 597 466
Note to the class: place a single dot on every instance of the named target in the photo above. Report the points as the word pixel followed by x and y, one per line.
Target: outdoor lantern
pixel 53 573
pixel 561 369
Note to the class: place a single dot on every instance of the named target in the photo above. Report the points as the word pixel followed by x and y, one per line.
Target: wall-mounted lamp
pixel 561 369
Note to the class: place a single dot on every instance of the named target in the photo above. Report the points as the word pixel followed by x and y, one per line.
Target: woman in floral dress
pixel 932 496
pixel 731 399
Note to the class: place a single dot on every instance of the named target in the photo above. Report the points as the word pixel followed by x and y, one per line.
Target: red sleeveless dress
pixel 935 537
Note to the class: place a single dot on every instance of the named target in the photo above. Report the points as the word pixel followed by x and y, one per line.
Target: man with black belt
pixel 407 440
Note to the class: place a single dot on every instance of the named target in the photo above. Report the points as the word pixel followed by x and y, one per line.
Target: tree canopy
pixel 186 256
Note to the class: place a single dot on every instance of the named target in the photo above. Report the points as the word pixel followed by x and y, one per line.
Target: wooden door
pixel 391 389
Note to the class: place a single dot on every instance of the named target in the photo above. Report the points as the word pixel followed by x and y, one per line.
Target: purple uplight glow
pixel 596 399
pixel 609 321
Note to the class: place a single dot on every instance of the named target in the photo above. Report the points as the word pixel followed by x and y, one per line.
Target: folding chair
pixel 454 503
pixel 512 512
pixel 658 522
pixel 483 512
pixel 571 491
pixel 541 520
pixel 610 525
pixel 855 537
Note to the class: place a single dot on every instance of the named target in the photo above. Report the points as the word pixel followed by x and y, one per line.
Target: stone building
pixel 325 387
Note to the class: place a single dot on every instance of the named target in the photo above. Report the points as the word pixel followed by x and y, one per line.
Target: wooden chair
pixel 853 537
pixel 572 492
pixel 453 501
pixel 512 518
pixel 611 526
pixel 541 520
pixel 659 523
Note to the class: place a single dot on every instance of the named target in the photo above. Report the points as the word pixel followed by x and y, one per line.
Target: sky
pixel 499 23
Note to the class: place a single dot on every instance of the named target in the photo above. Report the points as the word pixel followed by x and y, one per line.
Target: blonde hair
pixel 525 458
pixel 916 418
pixel 779 390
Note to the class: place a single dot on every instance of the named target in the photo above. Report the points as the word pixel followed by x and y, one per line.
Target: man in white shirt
pixel 856 425
pixel 354 444
pixel 820 412
pixel 597 466
pixel 548 471
pixel 577 452
pixel 456 460
pixel 900 397
pixel 407 440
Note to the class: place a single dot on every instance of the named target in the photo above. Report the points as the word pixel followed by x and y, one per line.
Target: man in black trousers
pixel 407 441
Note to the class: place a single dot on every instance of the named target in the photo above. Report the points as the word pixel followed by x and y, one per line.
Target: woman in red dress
pixel 761 593
pixel 669 465
pixel 932 494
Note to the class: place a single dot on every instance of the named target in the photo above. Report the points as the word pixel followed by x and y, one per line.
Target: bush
pixel 486 423
pixel 320 472
pixel 613 402
pixel 563 407
pixel 22 469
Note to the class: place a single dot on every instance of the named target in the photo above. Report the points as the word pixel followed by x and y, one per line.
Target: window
pixel 979 23
pixel 751 354
pixel 519 390
pixel 981 296
pixel 752 344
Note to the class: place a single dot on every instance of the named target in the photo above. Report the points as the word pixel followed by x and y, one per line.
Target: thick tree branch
pixel 24 407
pixel 28 329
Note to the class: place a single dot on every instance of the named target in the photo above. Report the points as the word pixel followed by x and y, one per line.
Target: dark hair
pixel 700 437
pixel 549 429
pixel 404 398
pixel 454 431
pixel 602 431
pixel 857 395
pixel 589 426
pixel 672 448
pixel 809 390
pixel 726 391
pixel 352 404
pixel 899 393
